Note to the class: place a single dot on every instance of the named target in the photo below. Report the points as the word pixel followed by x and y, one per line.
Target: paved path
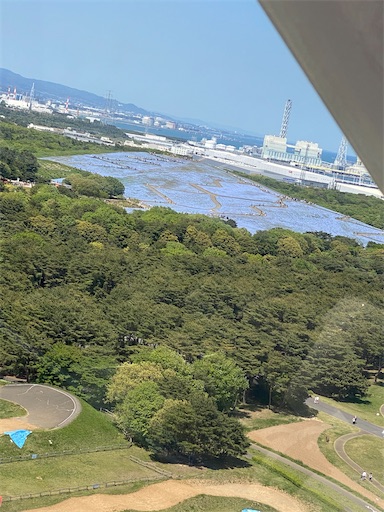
pixel 365 428
pixel 47 407
pixel 340 450
pixel 335 487
pixel 345 416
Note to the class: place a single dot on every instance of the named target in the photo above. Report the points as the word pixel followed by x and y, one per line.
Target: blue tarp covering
pixel 250 510
pixel 18 436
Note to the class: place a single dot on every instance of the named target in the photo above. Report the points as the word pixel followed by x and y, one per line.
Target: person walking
pixel 363 475
pixel 370 476
pixel 354 419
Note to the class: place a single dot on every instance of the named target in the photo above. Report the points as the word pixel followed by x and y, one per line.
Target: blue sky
pixel 220 61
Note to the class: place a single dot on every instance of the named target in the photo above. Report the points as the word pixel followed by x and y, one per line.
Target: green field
pixel 264 418
pixel 205 503
pixel 368 408
pixel 364 459
pixel 92 429
pixel 70 471
pixel 368 452
pixel 11 410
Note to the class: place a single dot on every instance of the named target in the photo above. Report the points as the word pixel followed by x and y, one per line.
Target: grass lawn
pixel 21 505
pixel 338 429
pixel 258 418
pixel 39 475
pixel 368 452
pixel 368 408
pixel 318 496
pixel 92 429
pixel 205 503
pixel 51 170
pixel 11 410
pixel 260 469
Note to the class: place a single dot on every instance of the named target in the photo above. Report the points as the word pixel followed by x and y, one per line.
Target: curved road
pixel 47 407
pixel 333 411
pixel 345 416
pixel 335 487
pixel 339 446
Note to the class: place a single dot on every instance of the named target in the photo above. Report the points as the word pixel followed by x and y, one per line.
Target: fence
pixel 69 490
pixel 90 487
pixel 152 466
pixel 18 458
pixel 93 487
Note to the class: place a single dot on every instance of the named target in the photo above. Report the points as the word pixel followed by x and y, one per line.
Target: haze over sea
pixel 204 187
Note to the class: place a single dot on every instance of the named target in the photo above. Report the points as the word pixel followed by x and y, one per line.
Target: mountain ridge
pixel 45 90
pixel 53 91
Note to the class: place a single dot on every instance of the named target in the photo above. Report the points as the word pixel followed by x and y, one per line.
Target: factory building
pixel 147 120
pixel 302 153
pixel 275 148
pixel 307 153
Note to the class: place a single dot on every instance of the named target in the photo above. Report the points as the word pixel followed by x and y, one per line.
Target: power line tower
pixel 284 124
pixel 31 95
pixel 108 107
pixel 341 157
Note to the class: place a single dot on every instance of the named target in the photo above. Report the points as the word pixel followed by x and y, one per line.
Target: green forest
pixel 149 307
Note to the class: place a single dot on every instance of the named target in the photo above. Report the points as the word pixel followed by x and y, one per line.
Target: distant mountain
pixel 56 92
pixel 44 91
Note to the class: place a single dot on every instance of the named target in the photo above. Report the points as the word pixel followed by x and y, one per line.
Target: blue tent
pixel 18 436
pixel 250 510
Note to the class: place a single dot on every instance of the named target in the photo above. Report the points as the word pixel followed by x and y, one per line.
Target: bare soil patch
pixel 19 423
pixel 167 494
pixel 299 441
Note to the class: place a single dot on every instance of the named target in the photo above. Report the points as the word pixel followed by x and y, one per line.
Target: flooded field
pixel 197 187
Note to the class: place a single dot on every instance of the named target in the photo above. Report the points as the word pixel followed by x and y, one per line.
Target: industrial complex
pixel 300 163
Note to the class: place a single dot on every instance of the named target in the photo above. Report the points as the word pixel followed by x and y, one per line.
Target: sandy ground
pixel 16 424
pixel 299 441
pixel 167 494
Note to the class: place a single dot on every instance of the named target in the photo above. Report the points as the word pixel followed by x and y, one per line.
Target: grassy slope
pixel 368 452
pixel 338 429
pixel 264 418
pixel 11 410
pixel 368 408
pixel 34 476
pixel 89 430
pixel 93 429
pixel 215 504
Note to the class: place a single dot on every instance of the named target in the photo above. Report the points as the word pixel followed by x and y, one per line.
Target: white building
pixel 304 153
pixel 170 125
pixel 210 143
pixel 181 149
pixel 275 148
pixel 147 120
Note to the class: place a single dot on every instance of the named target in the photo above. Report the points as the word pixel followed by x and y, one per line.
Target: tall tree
pixel 223 379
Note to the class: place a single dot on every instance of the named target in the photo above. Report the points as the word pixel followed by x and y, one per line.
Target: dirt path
pixel 299 441
pixel 153 189
pixel 211 195
pixel 16 424
pixel 167 494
